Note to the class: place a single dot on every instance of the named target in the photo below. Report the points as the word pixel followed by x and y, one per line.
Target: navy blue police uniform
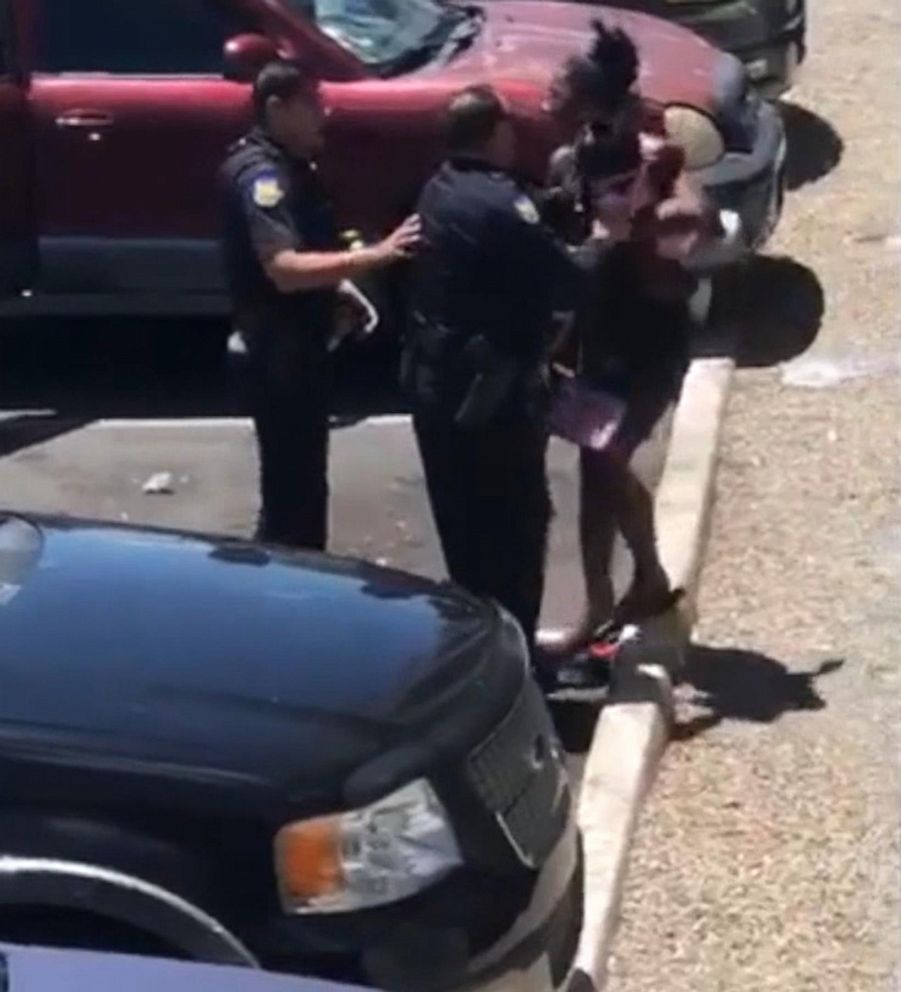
pixel 485 287
pixel 274 202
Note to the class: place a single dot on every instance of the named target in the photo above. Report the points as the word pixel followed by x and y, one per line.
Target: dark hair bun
pixel 614 51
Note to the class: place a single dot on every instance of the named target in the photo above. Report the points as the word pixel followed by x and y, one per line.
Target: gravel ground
pixel 768 853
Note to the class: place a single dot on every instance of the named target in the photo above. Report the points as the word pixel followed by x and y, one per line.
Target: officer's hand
pixel 404 242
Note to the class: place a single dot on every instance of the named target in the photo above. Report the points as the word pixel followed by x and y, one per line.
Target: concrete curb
pixel 634 727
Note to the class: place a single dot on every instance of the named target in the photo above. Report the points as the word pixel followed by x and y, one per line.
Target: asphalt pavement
pixel 91 410
pixel 379 509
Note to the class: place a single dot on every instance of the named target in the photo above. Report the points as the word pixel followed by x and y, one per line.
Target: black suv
pixel 236 754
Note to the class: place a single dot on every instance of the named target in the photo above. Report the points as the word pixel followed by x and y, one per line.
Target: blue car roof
pixel 38 969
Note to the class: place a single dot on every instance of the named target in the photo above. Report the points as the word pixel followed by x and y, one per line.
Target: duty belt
pixel 487 378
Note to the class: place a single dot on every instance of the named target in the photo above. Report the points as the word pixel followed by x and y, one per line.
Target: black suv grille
pixel 518 772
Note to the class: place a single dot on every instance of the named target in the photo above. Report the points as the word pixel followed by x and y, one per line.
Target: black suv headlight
pixel 381 853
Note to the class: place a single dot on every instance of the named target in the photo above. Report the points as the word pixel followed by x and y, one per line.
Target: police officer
pixel 286 274
pixel 484 290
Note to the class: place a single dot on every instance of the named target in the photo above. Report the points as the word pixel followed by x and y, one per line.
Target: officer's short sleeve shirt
pixel 273 203
pixel 263 191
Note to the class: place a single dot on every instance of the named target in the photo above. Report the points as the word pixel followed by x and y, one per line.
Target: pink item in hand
pixel 584 416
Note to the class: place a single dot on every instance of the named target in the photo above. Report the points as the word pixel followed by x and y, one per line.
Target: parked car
pixel 239 755
pixel 769 36
pixel 38 969
pixel 114 118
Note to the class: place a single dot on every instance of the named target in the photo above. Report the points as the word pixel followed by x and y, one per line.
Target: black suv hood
pixel 221 664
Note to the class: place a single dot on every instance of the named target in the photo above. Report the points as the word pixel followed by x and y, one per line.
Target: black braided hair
pixel 604 75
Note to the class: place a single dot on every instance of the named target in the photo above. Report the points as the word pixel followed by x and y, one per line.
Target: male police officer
pixel 285 272
pixel 485 288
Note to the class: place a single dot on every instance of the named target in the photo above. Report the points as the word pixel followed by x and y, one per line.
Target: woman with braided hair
pixel 631 338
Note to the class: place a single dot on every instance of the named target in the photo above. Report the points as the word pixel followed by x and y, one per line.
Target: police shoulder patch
pixel 267 191
pixel 527 210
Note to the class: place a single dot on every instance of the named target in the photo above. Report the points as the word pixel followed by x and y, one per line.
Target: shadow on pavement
pixel 109 367
pixel 743 685
pixel 575 723
pixel 815 148
pixel 24 430
pixel 773 307
pixel 74 371
pixel 581 982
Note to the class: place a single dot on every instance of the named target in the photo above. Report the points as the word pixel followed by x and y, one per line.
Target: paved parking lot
pixel 66 447
pixel 379 506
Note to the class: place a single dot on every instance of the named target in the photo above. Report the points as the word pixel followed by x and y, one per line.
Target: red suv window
pixel 130 37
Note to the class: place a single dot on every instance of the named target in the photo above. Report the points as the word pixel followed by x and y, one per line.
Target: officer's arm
pixel 292 271
pixel 555 202
pixel 280 248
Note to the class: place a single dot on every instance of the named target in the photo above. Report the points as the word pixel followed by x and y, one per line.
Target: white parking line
pixel 169 423
pixel 23 414
pixel 387 420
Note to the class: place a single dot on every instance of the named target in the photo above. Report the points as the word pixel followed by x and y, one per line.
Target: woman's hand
pixel 612 223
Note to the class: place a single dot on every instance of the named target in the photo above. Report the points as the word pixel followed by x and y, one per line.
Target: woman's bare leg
pixel 650 589
pixel 613 497
pixel 597 530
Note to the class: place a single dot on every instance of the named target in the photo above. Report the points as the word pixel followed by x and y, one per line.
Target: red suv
pixel 114 117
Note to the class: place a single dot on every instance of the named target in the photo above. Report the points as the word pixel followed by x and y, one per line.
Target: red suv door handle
pixel 91 119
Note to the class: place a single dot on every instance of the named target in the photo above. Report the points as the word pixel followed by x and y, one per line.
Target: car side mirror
pixel 246 54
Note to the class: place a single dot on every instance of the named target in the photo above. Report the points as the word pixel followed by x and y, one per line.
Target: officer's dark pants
pixel 285 383
pixel 489 493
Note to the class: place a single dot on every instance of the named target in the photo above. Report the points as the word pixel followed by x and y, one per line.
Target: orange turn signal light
pixel 308 859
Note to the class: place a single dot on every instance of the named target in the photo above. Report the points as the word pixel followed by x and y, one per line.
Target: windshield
pixel 381 32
